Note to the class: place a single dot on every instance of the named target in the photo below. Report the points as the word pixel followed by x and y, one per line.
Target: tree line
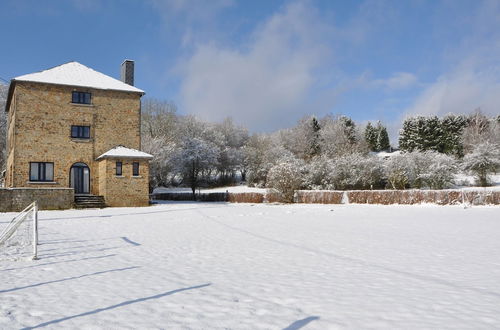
pixel 332 152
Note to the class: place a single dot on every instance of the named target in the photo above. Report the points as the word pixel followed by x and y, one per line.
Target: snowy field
pixel 243 266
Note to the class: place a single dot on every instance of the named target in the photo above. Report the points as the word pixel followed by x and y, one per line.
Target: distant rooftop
pixel 123 152
pixel 76 74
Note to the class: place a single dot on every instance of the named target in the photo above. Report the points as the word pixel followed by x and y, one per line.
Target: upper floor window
pixel 80 132
pixel 41 171
pixel 81 97
pixel 135 169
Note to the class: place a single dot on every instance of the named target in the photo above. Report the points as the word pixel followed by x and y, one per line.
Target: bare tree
pixel 479 130
pixel 3 128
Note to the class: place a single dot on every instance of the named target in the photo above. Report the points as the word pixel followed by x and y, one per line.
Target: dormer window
pixel 81 98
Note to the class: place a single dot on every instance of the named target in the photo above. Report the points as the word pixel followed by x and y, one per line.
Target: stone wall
pixel 41 116
pixel 124 190
pixel 16 199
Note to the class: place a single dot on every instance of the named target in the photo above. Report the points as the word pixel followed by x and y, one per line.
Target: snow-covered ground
pixel 243 266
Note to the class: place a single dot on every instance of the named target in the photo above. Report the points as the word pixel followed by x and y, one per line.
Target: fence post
pixel 35 231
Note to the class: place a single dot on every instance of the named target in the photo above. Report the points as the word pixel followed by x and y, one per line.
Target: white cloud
pixel 269 82
pixel 461 93
pixel 474 78
pixel 398 80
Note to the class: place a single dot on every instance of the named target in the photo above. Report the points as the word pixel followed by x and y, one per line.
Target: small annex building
pixel 71 126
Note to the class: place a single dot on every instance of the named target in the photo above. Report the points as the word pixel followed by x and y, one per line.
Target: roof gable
pixel 76 74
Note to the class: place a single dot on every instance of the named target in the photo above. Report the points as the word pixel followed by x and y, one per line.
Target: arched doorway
pixel 80 178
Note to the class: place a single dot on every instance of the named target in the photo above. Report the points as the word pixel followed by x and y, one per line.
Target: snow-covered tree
pixel 339 136
pixel 382 138
pixel 285 177
pixel 482 161
pixel 377 137
pixel 480 129
pixel 193 156
pixel 3 127
pixel 452 128
pixel 371 136
pixel 159 119
pixel 421 133
pixel 161 170
pixel 313 138
pixel 303 140
pixel 231 141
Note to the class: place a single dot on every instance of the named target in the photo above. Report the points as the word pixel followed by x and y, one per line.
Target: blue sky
pixel 268 63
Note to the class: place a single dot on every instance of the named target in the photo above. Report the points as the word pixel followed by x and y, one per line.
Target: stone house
pixel 71 126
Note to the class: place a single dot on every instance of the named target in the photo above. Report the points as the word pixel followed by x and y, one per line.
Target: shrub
pixel 397 172
pixel 319 174
pixel 484 160
pixel 440 171
pixel 285 177
pixel 356 171
pixel 419 169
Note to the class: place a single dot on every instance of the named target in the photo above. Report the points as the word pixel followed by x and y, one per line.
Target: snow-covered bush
pixel 397 172
pixel 420 169
pixel 319 174
pixel 356 171
pixel 417 166
pixel 285 177
pixel 484 160
pixel 440 171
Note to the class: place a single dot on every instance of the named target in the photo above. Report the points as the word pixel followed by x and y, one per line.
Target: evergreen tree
pixel 371 137
pixel 349 128
pixel 421 133
pixel 408 135
pixel 452 128
pixel 314 143
pixel 382 142
pixel 431 134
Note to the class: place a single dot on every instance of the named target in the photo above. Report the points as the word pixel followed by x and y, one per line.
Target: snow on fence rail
pixel 408 197
pixel 384 197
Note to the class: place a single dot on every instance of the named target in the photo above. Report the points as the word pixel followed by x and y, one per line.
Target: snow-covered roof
pixel 123 152
pixel 76 74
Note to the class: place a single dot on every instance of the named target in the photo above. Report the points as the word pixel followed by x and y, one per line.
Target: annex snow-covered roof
pixel 123 152
pixel 76 74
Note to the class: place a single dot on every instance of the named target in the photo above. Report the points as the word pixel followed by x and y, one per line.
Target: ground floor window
pixel 41 171
pixel 118 168
pixel 135 168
